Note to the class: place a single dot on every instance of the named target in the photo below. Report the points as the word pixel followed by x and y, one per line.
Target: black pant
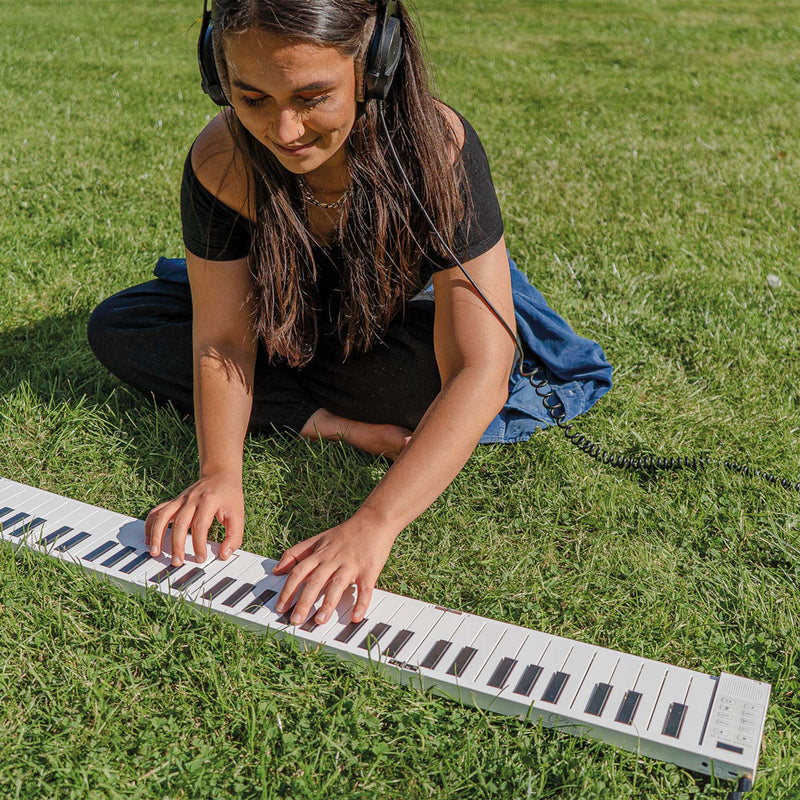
pixel 144 336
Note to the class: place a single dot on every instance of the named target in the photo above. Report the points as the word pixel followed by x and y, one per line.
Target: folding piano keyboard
pixel 703 723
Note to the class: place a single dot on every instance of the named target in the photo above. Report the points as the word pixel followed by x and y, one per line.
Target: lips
pixel 294 151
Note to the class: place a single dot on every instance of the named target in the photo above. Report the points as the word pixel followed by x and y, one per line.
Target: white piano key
pixel 529 671
pixel 600 672
pixel 672 693
pixel 409 623
pixel 442 631
pixel 502 664
pixel 698 701
pixel 562 686
pixel 648 684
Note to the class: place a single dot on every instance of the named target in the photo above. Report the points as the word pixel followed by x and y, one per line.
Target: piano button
pixel 436 653
pixel 99 551
pixel 628 707
pixel 398 643
pixel 528 680
pixel 731 747
pixel 350 630
pixel 117 557
pixel 135 563
pixel 217 589
pixel 597 702
pixel 260 601
pixel 501 673
pixel 56 534
pixel 238 594
pixel 70 543
pixel 674 720
pixel 555 687
pixel 374 636
pixel 461 661
pixel 162 575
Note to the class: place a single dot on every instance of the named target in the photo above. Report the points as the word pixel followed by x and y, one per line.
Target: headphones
pixel 380 64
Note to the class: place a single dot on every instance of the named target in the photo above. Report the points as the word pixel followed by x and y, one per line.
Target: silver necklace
pixel 308 196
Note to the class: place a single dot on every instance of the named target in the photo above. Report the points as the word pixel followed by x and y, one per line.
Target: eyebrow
pixel 310 87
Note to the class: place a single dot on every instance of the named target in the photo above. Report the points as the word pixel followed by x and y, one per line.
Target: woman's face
pixel 297 99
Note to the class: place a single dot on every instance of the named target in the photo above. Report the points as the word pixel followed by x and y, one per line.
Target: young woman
pixel 307 262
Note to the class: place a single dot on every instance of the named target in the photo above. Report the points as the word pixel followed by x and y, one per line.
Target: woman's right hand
pixel 212 497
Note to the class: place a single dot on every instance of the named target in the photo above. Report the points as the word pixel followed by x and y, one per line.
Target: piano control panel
pixel 667 712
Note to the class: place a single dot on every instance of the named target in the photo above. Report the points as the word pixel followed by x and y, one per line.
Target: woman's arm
pixel 224 361
pixel 474 354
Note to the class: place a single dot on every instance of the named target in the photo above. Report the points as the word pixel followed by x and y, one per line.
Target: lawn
pixel 646 158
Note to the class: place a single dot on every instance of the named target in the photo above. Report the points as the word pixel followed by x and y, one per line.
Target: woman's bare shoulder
pixel 218 166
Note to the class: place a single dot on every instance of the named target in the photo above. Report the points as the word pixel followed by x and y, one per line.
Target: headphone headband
pixel 380 64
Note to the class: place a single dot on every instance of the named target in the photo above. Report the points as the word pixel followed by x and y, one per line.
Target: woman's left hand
pixel 353 552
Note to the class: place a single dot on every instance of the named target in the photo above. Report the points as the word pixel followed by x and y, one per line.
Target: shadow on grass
pixel 66 415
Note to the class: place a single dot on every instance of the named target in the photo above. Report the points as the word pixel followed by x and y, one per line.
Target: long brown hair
pixel 383 235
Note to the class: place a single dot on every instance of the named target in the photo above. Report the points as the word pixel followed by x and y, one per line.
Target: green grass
pixel 646 156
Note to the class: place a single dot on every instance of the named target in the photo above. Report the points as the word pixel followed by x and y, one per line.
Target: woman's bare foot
pixel 379 440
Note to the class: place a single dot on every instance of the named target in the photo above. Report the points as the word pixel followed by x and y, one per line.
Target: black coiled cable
pixel 558 414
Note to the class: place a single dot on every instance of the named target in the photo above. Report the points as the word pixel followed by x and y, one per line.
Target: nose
pixel 287 127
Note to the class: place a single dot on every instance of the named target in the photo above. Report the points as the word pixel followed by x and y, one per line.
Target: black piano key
pixel 29 526
pixel 627 709
pixel 185 581
pixel 597 701
pixel 161 576
pixel 528 680
pixel 135 563
pixel 260 601
pixel 56 534
pixel 5 510
pixel 217 588
pixel 70 543
pixel 398 643
pixel 674 720
pixel 286 617
pixel 501 673
pixel 350 630
pixel 309 625
pixel 435 654
pixel 238 594
pixel 553 690
pixel 12 521
pixel 461 661
pixel 99 551
pixel 374 635
pixel 117 557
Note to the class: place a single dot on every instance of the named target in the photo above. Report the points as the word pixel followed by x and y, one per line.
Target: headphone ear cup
pixel 383 55
pixel 209 76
